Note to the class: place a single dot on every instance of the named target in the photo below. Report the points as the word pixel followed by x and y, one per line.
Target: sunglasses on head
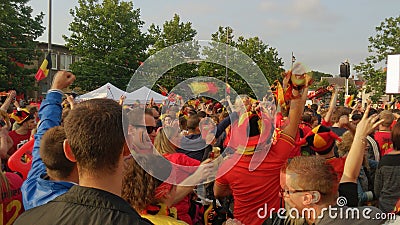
pixel 149 129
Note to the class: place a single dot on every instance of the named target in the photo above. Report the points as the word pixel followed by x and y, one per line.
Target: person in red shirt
pixel 23 133
pixel 185 169
pixel 252 175
pixel 11 196
pixel 383 136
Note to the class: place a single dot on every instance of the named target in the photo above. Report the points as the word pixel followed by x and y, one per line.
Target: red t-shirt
pixel 338 165
pixel 183 166
pixel 18 140
pixel 12 207
pixel 251 190
pixel 384 140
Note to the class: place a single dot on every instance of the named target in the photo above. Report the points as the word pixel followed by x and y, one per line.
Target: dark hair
pixel 356 116
pixel 314 107
pixel 202 114
pixel 52 153
pixel 95 133
pixel 182 123
pixel 156 108
pixel 396 136
pixel 192 113
pixel 193 122
pixel 29 117
pixel 372 111
pixel 306 117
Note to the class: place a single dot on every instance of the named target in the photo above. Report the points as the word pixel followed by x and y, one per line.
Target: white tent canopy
pixel 106 91
pixel 144 95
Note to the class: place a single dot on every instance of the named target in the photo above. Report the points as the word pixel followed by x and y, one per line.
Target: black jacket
pixel 82 205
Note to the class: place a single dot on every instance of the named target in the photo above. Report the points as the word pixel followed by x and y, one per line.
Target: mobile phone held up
pixel 2 123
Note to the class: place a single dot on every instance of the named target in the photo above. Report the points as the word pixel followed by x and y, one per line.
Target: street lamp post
pixel 345 72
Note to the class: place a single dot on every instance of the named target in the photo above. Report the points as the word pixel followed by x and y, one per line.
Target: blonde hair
pixel 345 145
pixel 387 117
pixel 162 141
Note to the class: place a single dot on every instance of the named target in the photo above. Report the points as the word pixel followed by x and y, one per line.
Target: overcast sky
pixel 320 33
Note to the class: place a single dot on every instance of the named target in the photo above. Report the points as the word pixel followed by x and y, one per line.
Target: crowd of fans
pixel 196 162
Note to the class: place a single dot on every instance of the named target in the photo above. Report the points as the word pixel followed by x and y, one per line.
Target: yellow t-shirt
pixel 161 218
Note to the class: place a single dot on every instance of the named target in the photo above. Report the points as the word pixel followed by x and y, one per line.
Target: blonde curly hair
pixel 345 145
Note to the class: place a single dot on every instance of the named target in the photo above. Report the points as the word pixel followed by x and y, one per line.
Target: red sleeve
pixel 324 123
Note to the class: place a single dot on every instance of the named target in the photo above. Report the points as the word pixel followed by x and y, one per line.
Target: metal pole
pixel 347 87
pixel 49 29
pixel 226 57
pixel 50 76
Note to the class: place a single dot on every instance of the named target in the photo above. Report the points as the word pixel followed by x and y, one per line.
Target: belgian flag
pixel 44 68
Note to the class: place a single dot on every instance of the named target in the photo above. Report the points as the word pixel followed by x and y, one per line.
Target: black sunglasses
pixel 149 129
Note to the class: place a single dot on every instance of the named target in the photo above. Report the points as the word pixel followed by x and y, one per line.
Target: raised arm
pixel 295 113
pixel 355 157
pixel 50 116
pixel 7 102
pixel 332 106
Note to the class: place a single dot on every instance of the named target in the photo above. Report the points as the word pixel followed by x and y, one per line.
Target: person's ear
pixel 68 152
pixel 312 198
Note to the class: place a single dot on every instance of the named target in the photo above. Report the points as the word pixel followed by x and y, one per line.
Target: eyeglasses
pixel 149 129
pixel 282 192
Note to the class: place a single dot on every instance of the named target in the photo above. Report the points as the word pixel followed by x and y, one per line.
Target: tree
pixel 262 54
pixel 108 38
pixel 18 30
pixel 174 32
pixel 384 43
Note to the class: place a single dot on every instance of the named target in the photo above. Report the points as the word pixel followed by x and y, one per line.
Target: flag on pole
pixel 44 68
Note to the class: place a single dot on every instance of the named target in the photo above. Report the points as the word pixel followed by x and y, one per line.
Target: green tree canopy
pixel 385 42
pixel 18 30
pixel 262 54
pixel 173 32
pixel 108 38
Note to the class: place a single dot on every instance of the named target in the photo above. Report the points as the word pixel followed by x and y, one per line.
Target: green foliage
pixel 174 32
pixel 385 42
pixel 18 30
pixel 108 38
pixel 265 57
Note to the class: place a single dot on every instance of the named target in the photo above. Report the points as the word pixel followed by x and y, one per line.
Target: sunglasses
pixel 149 129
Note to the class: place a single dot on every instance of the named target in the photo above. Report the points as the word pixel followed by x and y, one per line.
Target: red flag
pixel 44 68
